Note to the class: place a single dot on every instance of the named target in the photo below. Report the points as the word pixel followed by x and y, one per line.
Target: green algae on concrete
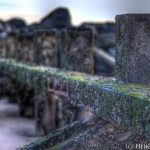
pixel 127 105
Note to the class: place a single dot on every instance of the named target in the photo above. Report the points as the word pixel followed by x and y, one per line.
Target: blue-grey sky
pixel 81 10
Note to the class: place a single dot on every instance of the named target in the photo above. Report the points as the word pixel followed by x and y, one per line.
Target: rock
pixel 1 25
pixel 104 34
pixel 59 18
pixel 111 51
pixel 17 23
pixel 30 28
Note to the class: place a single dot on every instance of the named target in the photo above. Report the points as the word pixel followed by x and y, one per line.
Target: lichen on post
pixel 133 48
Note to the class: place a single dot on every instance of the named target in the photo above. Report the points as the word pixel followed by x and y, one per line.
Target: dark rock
pixel 59 18
pixel 104 34
pixel 29 29
pixel 1 25
pixel 111 51
pixel 17 23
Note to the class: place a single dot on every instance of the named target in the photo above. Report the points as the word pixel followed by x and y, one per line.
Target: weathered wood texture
pixel 133 48
pixel 127 105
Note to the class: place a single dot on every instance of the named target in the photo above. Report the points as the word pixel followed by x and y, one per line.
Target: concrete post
pixel 11 45
pixel 76 50
pixel 133 48
pixel 26 48
pixel 46 47
pixel 3 45
pixel 133 55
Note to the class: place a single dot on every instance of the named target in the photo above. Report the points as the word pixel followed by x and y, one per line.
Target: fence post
pixel 133 48
pixel 76 50
pixel 46 47
pixel 11 45
pixel 3 44
pixel 133 55
pixel 75 54
pixel 25 48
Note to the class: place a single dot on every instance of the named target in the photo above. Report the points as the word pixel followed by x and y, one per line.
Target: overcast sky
pixel 81 10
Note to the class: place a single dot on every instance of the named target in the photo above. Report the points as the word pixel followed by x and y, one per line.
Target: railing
pixel 125 104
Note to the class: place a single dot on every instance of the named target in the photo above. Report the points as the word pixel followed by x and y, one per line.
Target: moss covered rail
pixel 127 105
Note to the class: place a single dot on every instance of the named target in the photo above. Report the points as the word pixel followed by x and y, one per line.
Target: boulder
pixel 104 34
pixel 17 22
pixel 59 18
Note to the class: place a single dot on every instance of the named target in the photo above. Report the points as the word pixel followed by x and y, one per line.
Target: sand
pixel 15 131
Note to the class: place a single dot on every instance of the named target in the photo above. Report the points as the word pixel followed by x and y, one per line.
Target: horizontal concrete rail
pixel 127 105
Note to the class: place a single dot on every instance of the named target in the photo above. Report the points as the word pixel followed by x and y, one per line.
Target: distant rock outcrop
pixel 59 18
pixel 17 23
pixel 104 34
pixel 104 37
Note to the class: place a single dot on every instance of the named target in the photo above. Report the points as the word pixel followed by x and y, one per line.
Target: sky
pixel 81 10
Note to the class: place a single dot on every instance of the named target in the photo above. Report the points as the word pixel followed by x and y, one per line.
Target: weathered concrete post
pixel 46 47
pixel 3 45
pixel 133 48
pixel 76 50
pixel 11 45
pixel 133 54
pixel 76 54
pixel 25 48
pixel 45 50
